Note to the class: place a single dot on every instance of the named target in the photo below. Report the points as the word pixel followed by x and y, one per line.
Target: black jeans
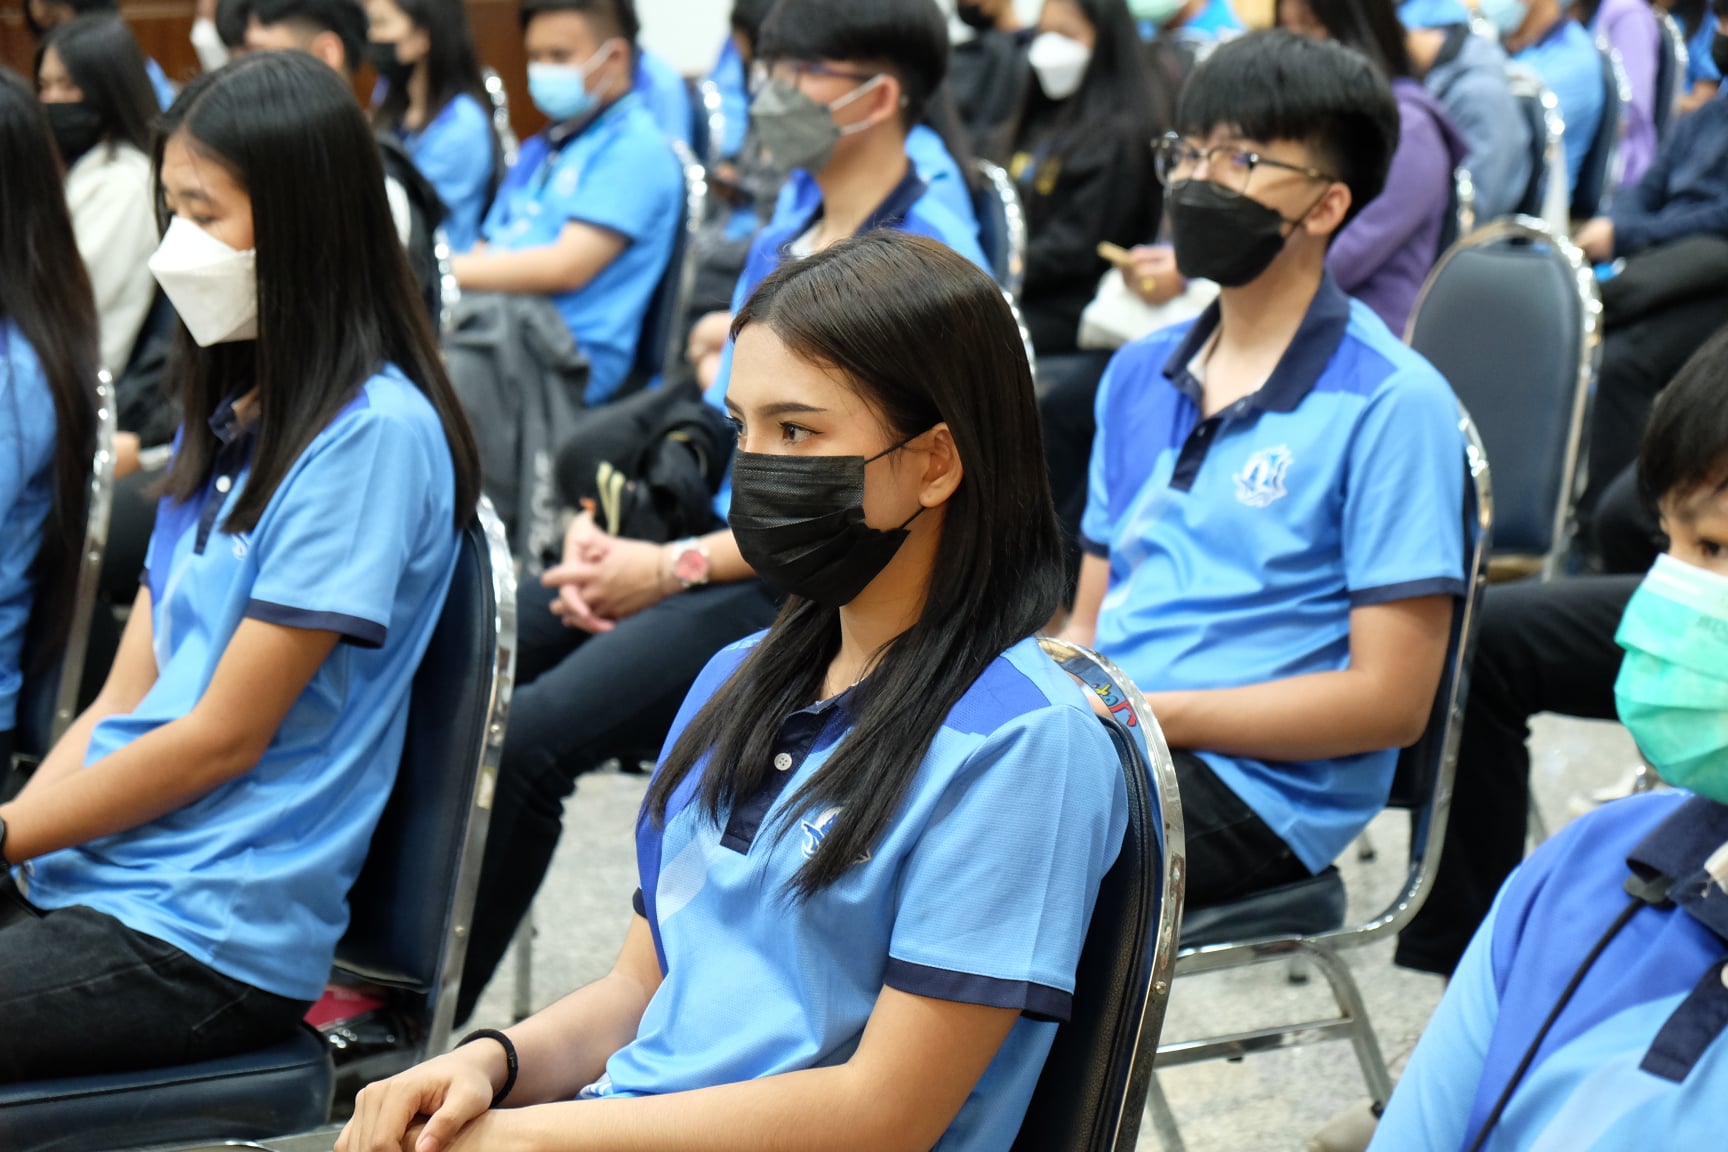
pixel 82 994
pixel 583 700
pixel 1542 648
pixel 1231 851
pixel 1638 359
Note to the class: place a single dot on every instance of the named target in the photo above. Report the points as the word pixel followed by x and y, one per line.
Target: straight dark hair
pixel 1686 442
pixel 346 19
pixel 925 338
pixel 336 300
pixel 44 291
pixel 906 38
pixel 1275 85
pixel 103 59
pixel 618 16
pixel 1115 89
pixel 452 64
pixel 1371 27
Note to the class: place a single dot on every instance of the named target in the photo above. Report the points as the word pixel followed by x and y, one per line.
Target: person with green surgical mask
pixel 1588 1011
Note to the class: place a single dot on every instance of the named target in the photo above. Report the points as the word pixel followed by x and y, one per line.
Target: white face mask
pixel 1059 62
pixel 213 287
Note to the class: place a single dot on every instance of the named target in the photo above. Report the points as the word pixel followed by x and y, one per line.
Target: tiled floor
pixel 1270 1102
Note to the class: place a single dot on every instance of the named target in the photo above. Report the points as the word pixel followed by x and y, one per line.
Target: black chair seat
pixel 1305 908
pixel 285 1088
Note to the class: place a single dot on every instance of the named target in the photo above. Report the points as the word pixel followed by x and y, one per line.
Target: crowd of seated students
pixel 1263 494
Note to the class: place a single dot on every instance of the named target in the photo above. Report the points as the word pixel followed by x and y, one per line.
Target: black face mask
pixel 77 128
pixel 1719 52
pixel 974 16
pixel 389 67
pixel 1220 236
pixel 799 522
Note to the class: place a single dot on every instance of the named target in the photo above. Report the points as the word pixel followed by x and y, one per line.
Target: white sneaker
pixel 1349 1131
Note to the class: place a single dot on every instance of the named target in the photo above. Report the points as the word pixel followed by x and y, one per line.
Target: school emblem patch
pixel 1261 480
pixel 816 831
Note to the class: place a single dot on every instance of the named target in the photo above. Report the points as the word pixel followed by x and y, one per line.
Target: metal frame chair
pixel 709 106
pixel 1092 1091
pixel 1535 233
pixel 1605 160
pixel 499 97
pixel 1547 196
pixel 684 272
pixel 1461 219
pixel 999 201
pixel 1670 73
pixel 280 1088
pixel 1424 786
pixel 449 291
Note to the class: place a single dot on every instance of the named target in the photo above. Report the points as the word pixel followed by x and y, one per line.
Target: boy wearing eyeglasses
pixel 1273 523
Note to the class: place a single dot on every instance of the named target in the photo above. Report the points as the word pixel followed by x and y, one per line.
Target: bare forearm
pixel 532 271
pixel 1316 717
pixel 564 1048
pixel 67 755
pixel 725 562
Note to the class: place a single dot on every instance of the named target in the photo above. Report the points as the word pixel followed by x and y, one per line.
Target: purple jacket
pixel 1384 254
pixel 1630 28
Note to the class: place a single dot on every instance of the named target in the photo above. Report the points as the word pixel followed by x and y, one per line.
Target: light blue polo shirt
pixel 28 428
pixel 360 539
pixel 1239 544
pixel 1571 66
pixel 1216 21
pixel 665 94
pixel 1637 1060
pixel 908 208
pixel 979 891
pixel 800 196
pixel 1700 65
pixel 728 76
pixel 454 152
pixel 616 173
pixel 159 83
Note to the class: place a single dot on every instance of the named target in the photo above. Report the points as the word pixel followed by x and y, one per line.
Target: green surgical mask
pixel 1159 12
pixel 1673 687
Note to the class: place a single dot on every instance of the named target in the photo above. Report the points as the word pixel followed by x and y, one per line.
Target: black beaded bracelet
pixel 509 1059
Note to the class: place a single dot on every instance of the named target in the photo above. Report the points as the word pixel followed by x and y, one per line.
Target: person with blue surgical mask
pixel 1588 1011
pixel 1544 36
pixel 586 217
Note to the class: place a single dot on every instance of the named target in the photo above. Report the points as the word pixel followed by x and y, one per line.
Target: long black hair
pixel 926 338
pixel 46 293
pixel 336 300
pixel 452 64
pixel 1371 27
pixel 1114 89
pixel 103 59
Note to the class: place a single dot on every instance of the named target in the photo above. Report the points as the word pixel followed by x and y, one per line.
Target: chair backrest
pixel 412 905
pixel 1001 226
pixel 1541 111
pixel 707 122
pixel 1601 168
pixel 449 291
pixel 1672 59
pixel 1510 316
pixel 499 97
pixel 1092 1091
pixel 1422 783
pixel 661 342
pixel 1460 210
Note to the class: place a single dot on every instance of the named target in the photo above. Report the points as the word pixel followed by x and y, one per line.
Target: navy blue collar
pixel 888 214
pixel 1677 849
pixel 1299 369
pixel 226 423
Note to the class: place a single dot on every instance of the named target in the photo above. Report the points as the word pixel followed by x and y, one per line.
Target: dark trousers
pixel 1638 359
pixel 1231 851
pixel 1627 535
pixel 82 994
pixel 584 700
pixel 1542 648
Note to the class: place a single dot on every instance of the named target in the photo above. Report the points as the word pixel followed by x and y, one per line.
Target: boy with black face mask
pixel 1272 527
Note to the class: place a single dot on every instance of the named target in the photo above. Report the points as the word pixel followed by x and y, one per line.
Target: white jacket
pixel 108 193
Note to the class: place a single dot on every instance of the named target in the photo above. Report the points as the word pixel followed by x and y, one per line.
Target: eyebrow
pixel 188 193
pixel 784 408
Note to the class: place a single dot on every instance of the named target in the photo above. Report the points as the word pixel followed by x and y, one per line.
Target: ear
pixel 943 469
pixel 327 46
pixel 1327 216
pixel 885 102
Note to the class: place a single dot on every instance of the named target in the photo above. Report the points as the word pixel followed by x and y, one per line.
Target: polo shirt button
pixel 223 483
pixel 783 762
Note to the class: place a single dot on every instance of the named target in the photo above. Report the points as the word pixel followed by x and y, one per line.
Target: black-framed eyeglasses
pixel 1229 165
pixel 790 72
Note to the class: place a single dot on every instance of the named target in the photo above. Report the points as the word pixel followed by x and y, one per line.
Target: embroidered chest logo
pixel 816 831
pixel 1261 480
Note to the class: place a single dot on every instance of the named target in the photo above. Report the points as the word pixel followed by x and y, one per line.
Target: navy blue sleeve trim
pixel 1408 590
pixel 639 904
pixel 354 629
pixel 1034 1001
pixel 1092 548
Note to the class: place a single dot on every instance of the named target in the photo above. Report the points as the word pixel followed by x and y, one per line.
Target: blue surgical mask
pixel 561 90
pixel 1672 693
pixel 1507 16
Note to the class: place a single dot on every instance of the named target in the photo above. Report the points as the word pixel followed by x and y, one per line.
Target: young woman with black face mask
pixel 48 361
pixel 881 824
pixel 173 877
pixel 435 101
pixel 90 77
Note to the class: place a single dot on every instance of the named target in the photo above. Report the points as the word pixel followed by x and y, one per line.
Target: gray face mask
pixel 798 132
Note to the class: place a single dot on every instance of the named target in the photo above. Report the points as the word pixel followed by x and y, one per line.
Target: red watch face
pixel 691 567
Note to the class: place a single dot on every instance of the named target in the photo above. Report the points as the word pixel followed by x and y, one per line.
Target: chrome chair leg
pixel 1351 1005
